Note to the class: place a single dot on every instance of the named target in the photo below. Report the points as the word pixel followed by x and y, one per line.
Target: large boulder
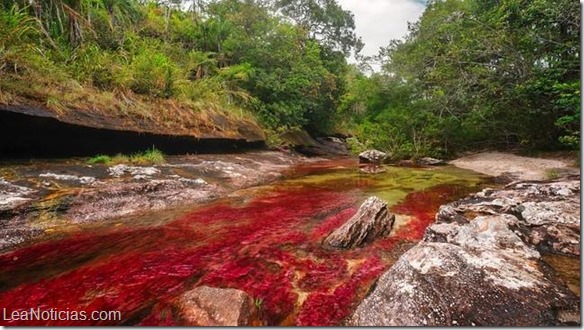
pixel 479 273
pixel 546 215
pixel 372 156
pixel 370 222
pixel 303 143
pixel 207 306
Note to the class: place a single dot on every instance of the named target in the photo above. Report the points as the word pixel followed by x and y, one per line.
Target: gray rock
pixel 372 156
pixel 68 177
pixel 12 196
pixel 546 215
pixel 371 221
pixel 141 171
pixel 483 275
pixel 429 161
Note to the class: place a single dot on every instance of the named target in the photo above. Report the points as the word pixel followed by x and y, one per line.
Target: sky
pixel 379 21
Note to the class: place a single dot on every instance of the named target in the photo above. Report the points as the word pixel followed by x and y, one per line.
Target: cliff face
pixel 33 130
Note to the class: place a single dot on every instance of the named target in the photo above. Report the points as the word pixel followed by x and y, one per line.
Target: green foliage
pixel 552 174
pixel 100 159
pixel 152 74
pixel 228 54
pixel 475 74
pixel 148 157
pixel 355 146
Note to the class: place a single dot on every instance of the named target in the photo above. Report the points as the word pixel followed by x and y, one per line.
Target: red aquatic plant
pixel 269 247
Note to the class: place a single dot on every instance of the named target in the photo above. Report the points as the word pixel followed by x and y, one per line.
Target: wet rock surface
pixel 40 197
pixel 12 195
pixel 544 215
pixel 207 306
pixel 429 161
pixel 480 265
pixel 371 221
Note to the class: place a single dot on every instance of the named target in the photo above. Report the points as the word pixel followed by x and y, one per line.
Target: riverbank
pixel 501 257
pixel 55 196
pixel 513 167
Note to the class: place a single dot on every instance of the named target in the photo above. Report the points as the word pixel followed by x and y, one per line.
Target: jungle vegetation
pixel 470 74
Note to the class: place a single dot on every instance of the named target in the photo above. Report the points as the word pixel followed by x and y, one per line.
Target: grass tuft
pixel 149 157
pixel 100 159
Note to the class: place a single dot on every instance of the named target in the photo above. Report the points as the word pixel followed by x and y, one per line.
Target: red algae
pixel 269 248
pixel 327 309
pixel 423 205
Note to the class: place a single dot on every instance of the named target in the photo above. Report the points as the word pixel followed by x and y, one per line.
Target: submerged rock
pixel 371 221
pixel 429 161
pixel 207 306
pixel 372 156
pixel 484 274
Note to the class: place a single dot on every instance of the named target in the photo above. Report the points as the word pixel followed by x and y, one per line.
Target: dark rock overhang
pixel 32 131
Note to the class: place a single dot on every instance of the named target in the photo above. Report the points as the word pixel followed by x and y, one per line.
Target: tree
pixel 325 21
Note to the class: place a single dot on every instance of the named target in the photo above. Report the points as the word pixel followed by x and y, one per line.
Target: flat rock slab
pixel 371 221
pixel 483 275
pixel 509 165
pixel 207 306
pixel 480 263
pixel 544 215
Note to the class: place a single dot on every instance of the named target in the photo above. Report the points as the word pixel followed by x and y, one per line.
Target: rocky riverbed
pixel 166 244
pixel 47 197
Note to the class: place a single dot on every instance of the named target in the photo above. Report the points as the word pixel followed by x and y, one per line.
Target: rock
pixel 372 156
pixel 546 215
pixel 207 306
pixel 429 161
pixel 303 143
pixel 67 177
pixel 12 196
pixel 480 273
pixel 371 221
pixel 28 129
pixel 335 145
pixel 122 198
pixel 138 172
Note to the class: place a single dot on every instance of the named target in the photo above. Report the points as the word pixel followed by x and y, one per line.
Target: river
pixel 263 240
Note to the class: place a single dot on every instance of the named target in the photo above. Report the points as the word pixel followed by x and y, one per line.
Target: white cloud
pixel 379 21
